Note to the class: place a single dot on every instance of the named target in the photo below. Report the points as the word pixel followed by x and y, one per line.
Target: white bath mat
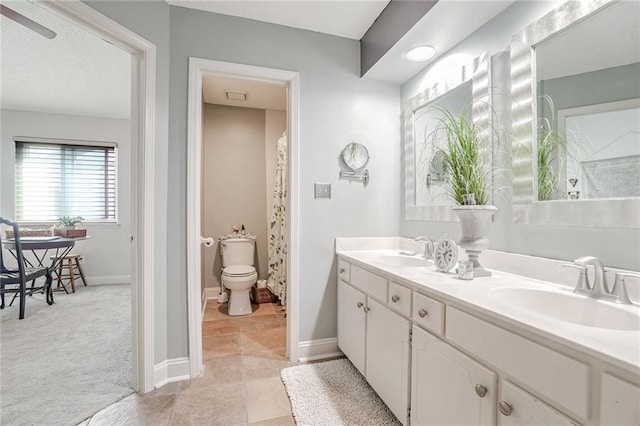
pixel 333 393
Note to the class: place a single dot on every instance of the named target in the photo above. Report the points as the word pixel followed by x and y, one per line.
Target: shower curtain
pixel 277 281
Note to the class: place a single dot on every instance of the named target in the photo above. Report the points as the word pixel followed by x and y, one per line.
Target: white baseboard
pixel 209 293
pixel 311 350
pixel 112 279
pixel 171 370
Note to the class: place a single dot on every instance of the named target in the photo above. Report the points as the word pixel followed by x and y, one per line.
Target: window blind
pixel 58 179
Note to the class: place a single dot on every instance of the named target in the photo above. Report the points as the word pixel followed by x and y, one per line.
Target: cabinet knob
pixel 481 390
pixel 505 408
pixel 359 305
pixel 342 270
pixel 395 298
pixel 422 313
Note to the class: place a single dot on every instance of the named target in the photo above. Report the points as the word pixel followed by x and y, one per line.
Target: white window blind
pixel 58 179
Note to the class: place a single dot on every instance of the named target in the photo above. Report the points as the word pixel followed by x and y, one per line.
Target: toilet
pixel 238 272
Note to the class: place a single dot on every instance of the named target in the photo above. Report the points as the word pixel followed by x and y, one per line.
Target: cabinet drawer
pixel 344 270
pixel 372 284
pixel 428 313
pixel 400 299
pixel 563 380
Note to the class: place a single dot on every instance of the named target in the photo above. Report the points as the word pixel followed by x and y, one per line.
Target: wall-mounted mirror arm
pixel 363 176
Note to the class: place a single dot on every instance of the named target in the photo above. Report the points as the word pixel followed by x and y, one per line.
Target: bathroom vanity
pixel 505 350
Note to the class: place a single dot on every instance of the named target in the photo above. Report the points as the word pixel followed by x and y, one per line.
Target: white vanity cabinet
pixel 352 324
pixel 447 386
pixel 619 402
pixel 375 338
pixel 387 357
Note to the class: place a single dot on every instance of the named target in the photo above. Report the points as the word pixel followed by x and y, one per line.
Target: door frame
pixel 199 68
pixel 143 85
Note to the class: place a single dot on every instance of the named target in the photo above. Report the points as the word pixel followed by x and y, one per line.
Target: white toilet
pixel 238 272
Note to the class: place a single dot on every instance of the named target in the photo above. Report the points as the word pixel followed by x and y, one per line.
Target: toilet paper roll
pixel 262 283
pixel 208 242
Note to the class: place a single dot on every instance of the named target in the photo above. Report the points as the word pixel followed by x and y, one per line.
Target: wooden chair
pixel 70 268
pixel 15 280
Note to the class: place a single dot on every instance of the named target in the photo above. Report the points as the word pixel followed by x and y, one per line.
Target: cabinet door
pixel 448 387
pixel 388 357
pixel 520 408
pixel 619 402
pixel 351 324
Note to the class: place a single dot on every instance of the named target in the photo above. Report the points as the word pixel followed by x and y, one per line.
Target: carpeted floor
pixel 334 393
pixel 64 362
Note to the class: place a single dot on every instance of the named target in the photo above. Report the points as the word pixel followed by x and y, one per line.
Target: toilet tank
pixel 238 251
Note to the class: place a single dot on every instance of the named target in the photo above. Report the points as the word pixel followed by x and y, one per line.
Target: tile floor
pixel 241 383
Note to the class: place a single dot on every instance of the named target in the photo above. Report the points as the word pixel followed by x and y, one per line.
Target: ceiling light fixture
pixel 421 53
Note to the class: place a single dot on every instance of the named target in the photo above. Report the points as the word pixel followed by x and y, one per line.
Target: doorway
pixel 143 82
pixel 199 69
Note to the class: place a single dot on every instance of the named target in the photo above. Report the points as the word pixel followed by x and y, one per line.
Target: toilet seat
pixel 238 271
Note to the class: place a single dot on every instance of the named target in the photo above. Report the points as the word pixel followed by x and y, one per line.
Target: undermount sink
pixel 403 260
pixel 569 307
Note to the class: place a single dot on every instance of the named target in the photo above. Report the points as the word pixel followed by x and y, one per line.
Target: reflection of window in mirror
pixel 429 165
pixel 588 95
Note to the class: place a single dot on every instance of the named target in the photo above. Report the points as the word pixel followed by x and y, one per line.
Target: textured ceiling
pixel 350 19
pixel 75 73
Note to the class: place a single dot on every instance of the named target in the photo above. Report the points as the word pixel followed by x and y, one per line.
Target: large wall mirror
pixel 425 172
pixel 576 116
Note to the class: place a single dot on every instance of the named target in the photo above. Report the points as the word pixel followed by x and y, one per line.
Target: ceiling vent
pixel 234 95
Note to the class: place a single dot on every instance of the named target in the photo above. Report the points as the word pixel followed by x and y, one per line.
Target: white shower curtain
pixel 277 281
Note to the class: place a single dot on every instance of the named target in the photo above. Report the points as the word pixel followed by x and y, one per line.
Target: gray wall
pixel 233 181
pixel 335 105
pixel 616 247
pixel 150 19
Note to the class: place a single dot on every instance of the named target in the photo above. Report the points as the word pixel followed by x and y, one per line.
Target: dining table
pixel 42 247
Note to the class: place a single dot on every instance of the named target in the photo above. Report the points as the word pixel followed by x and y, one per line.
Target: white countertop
pixel 617 347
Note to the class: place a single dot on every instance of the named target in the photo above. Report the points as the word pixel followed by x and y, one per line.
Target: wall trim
pixel 198 68
pixel 311 350
pixel 143 122
pixel 106 280
pixel 209 293
pixel 171 370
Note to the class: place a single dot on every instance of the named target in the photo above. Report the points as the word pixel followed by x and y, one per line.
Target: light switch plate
pixel 322 190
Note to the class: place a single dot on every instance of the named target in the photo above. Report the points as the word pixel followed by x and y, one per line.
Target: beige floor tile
pixel 218 404
pixel 264 339
pixel 215 311
pixel 220 369
pixel 213 346
pixel 266 399
pixel 219 327
pixel 136 410
pixel 278 421
pixel 259 323
pixel 265 363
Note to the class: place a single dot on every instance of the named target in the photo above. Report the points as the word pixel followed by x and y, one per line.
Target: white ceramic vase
pixel 475 221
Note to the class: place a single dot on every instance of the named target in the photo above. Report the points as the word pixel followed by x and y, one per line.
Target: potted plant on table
pixel 67 227
pixel 468 178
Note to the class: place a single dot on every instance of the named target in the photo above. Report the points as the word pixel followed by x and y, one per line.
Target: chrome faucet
pixel 428 246
pixel 600 289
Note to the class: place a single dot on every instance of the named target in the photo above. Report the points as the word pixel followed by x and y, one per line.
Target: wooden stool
pixel 70 268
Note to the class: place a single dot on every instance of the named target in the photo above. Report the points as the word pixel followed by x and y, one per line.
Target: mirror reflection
pixel 355 156
pixel 588 107
pixel 429 157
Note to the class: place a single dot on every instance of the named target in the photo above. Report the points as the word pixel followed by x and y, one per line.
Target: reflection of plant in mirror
pixel 552 150
pixel 463 154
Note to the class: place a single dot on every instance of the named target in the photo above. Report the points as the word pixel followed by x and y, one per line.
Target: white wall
pixel 107 253
pixel 616 247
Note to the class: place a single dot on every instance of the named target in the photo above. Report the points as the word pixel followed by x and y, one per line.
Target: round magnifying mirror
pixel 355 155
